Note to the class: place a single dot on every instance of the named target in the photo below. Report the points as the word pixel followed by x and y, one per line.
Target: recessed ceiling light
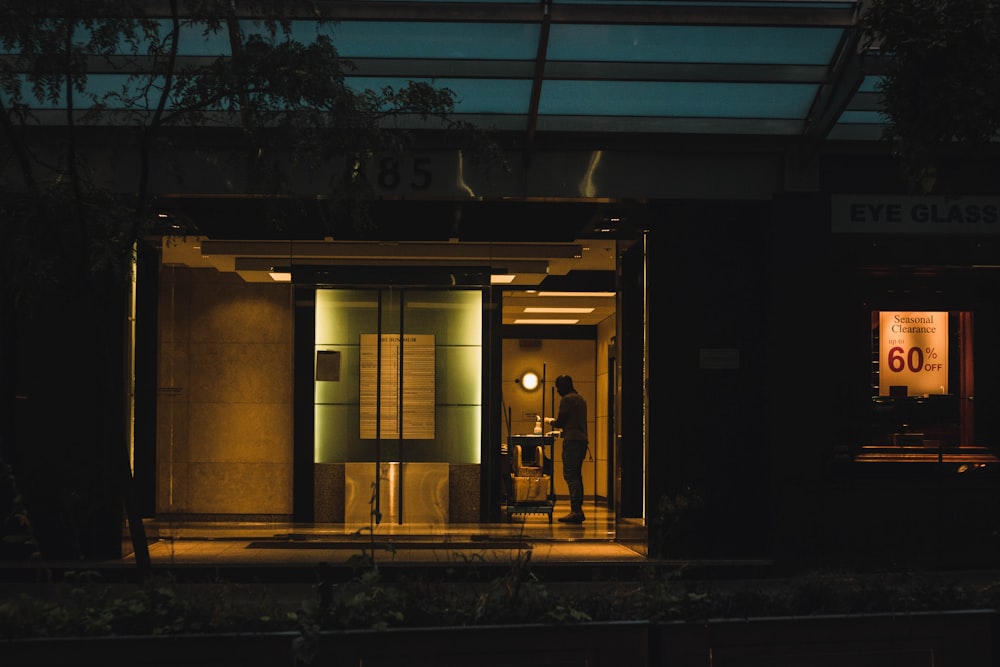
pixel 533 309
pixel 593 295
pixel 543 321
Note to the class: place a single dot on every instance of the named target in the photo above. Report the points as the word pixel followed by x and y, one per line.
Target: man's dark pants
pixel 573 453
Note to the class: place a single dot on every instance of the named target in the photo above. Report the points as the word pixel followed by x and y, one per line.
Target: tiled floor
pixel 274 544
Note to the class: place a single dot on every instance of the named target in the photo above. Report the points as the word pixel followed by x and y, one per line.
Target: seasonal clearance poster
pixel 913 352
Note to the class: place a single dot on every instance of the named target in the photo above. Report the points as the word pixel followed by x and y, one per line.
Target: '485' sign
pixel 428 173
pixel 402 173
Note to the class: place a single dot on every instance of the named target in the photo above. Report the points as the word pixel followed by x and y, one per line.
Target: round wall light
pixel 529 381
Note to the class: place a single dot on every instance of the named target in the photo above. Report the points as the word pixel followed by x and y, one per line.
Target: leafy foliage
pixel 279 96
pixel 98 100
pixel 88 606
pixel 17 536
pixel 942 88
pixel 674 523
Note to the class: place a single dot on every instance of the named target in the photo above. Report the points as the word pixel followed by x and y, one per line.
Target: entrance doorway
pixel 270 349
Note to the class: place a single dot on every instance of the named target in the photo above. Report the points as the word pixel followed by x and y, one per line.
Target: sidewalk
pixel 597 550
pixel 270 547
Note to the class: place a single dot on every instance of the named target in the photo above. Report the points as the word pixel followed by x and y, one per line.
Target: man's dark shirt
pixel 572 418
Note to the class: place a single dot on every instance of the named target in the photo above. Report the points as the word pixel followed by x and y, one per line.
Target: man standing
pixel 572 419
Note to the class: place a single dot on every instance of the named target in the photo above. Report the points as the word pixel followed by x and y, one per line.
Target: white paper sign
pixel 407 360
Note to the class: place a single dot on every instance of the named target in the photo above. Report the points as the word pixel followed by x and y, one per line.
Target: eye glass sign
pixel 913 352
pixel 860 214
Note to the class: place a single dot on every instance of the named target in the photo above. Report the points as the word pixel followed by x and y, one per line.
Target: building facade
pixel 786 355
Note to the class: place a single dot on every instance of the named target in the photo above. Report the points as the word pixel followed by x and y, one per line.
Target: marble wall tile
pixel 240 488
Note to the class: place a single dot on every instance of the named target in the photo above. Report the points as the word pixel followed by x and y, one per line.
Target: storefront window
pixel 922 386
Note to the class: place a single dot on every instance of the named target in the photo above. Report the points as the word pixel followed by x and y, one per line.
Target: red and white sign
pixel 913 352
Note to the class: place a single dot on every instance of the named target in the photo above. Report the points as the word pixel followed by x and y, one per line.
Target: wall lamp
pixel 529 381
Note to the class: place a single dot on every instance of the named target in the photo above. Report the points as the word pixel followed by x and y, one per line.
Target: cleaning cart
pixel 531 488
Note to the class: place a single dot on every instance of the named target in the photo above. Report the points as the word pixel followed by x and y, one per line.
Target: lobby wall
pixel 600 444
pixel 224 406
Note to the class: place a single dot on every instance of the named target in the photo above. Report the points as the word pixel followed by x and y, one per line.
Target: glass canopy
pixel 731 67
pixel 776 67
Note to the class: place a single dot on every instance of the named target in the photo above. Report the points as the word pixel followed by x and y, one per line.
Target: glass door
pixel 398 407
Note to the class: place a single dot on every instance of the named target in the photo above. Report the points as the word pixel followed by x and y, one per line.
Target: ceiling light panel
pixel 568 311
pixel 544 321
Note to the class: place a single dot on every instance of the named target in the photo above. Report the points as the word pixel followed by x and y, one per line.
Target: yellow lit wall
pixel 224 431
pixel 224 422
pixel 600 445
pixel 576 358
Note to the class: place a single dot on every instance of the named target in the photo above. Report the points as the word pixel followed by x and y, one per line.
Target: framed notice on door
pixel 399 401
